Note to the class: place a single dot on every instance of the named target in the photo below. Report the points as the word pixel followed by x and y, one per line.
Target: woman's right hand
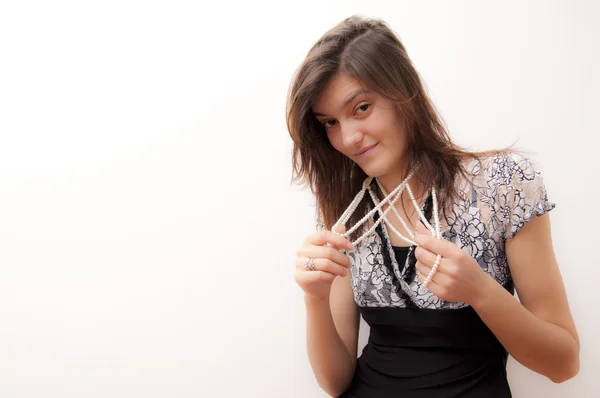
pixel 324 247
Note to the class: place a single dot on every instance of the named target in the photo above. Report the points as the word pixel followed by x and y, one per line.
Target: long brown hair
pixel 368 50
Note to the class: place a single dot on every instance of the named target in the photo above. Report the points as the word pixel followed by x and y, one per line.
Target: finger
pixel 426 257
pixel 422 269
pixel 313 277
pixel 432 286
pixel 422 229
pixel 327 237
pixel 324 252
pixel 437 246
pixel 340 229
pixel 423 272
pixel 438 278
pixel 322 264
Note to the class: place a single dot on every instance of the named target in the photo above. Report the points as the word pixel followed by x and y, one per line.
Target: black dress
pixel 428 353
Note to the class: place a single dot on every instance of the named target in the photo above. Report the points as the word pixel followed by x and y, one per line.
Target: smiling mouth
pixel 366 150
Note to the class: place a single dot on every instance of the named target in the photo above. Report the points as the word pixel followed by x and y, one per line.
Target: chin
pixel 375 170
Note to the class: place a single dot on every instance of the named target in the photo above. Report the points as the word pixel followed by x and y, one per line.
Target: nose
pixel 351 136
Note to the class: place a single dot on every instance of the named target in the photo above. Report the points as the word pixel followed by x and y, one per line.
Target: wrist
pixel 486 289
pixel 314 301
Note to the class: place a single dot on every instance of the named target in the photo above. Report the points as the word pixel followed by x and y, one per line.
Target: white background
pixel 148 226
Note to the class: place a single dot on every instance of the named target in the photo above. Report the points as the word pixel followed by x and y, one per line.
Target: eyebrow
pixel 348 100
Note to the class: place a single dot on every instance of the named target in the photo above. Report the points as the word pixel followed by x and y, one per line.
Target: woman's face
pixel 362 125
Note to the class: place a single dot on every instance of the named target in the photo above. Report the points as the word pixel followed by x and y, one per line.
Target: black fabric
pixel 401 252
pixel 429 354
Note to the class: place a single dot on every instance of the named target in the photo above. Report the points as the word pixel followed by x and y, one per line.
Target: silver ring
pixel 310 264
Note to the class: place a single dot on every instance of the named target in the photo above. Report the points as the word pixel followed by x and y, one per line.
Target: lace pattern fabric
pixel 504 193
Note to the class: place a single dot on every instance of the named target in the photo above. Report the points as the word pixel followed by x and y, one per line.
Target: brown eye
pixel 363 107
pixel 329 123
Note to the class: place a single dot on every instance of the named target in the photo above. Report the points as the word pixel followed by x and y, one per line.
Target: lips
pixel 362 151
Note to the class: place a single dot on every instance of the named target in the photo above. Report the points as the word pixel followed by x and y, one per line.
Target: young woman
pixel 425 240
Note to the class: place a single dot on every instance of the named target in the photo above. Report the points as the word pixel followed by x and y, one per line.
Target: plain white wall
pixel 147 224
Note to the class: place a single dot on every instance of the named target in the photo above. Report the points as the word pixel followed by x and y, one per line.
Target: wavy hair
pixel 368 50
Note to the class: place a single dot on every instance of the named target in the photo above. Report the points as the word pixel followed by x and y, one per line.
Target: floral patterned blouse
pixel 504 193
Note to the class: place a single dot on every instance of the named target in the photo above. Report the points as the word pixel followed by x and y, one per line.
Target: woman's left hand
pixel 458 278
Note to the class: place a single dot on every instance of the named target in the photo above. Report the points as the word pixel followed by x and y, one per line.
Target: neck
pixel 393 178
pixel 390 181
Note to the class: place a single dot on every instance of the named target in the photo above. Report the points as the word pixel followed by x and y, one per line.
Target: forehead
pixel 339 89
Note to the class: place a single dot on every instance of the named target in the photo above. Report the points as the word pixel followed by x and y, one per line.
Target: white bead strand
pixel 348 213
pixel 438 235
pixel 390 199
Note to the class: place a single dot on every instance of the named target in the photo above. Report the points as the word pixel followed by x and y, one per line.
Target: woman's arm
pixel 540 333
pixel 332 337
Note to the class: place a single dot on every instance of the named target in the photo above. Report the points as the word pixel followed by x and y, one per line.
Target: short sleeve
pixel 521 190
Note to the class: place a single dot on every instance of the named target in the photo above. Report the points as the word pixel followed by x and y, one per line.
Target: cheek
pixel 396 142
pixel 382 129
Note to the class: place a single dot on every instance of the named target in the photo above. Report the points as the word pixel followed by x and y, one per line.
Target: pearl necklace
pixel 391 199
